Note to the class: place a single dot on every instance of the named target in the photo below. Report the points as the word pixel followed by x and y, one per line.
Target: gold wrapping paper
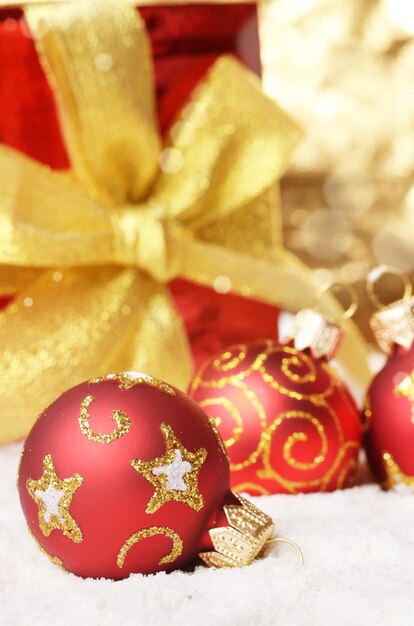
pixel 89 251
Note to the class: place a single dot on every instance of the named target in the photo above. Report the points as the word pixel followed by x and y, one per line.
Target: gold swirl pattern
pixel 217 435
pixel 299 436
pixel 227 361
pixel 122 420
pixel 175 552
pixel 127 380
pixel 347 475
pixel 258 408
pixel 297 359
pixel 234 412
pixel 347 479
pixel 292 357
pixel 317 484
pixel 294 438
pixel 241 362
pixel 238 430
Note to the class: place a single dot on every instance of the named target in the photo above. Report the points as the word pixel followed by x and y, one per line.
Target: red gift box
pixel 186 40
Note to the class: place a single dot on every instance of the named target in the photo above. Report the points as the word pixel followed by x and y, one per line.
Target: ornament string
pixel 291 543
pixel 349 289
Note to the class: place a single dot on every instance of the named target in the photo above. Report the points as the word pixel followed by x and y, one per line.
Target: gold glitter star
pixel 54 497
pixel 174 475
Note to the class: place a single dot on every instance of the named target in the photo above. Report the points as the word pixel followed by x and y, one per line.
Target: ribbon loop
pixel 104 95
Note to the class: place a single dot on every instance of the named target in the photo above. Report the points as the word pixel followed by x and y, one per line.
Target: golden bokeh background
pixel 344 70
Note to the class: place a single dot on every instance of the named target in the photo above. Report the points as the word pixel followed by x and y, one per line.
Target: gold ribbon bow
pixel 87 253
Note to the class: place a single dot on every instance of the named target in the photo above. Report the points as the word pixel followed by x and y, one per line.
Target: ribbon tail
pixel 255 229
pixel 159 346
pixel 281 279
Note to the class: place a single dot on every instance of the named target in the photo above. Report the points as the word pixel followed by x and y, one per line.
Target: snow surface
pixel 359 570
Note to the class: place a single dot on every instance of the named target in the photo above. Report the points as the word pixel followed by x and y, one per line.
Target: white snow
pixel 359 570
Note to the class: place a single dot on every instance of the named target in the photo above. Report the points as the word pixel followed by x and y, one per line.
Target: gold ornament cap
pixel 239 543
pixel 394 324
pixel 314 331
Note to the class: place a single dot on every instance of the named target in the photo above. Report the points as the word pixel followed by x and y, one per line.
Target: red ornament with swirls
pixel 289 423
pixel 123 474
pixel 389 421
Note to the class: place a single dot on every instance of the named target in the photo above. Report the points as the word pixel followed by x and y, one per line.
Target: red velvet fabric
pixel 186 40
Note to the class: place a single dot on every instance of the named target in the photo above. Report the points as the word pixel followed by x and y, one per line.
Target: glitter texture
pixel 127 380
pixel 217 435
pixel 119 417
pixel 54 497
pixel 175 552
pixel 164 475
pixel 228 388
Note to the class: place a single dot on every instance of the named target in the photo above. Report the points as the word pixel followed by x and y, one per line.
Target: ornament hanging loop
pixel 392 324
pixel 348 289
pixel 322 335
pixel 291 543
pixel 376 274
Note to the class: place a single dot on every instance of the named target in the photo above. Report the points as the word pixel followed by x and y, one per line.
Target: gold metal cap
pixel 394 324
pixel 239 543
pixel 312 330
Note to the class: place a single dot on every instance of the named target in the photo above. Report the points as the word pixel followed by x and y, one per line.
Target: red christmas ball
pixel 123 474
pixel 289 423
pixel 389 421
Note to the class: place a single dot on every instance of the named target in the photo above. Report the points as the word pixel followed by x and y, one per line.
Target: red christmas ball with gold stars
pixel 123 474
pixel 288 421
